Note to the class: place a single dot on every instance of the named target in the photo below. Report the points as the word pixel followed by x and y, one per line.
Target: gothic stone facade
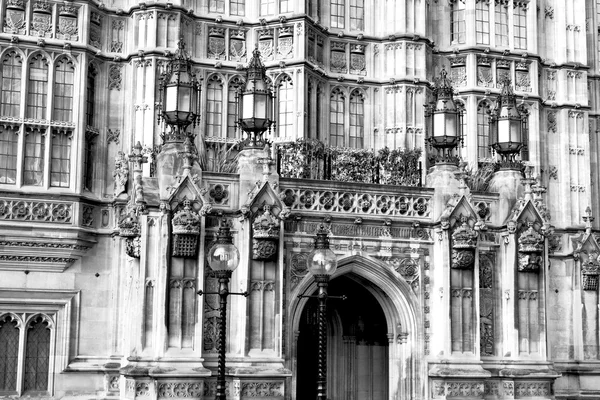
pixel 452 293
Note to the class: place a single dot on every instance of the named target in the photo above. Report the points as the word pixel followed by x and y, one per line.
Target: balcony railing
pixel 311 159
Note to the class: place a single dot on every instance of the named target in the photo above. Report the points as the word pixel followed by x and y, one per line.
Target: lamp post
pixel 444 122
pixel 179 92
pixel 256 105
pixel 322 263
pixel 223 259
pixel 508 126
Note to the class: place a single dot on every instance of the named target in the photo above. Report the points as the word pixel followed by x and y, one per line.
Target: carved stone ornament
pixel 129 228
pixel 186 229
pixel 531 247
pixel 265 236
pixel 129 225
pixel 590 271
pixel 464 241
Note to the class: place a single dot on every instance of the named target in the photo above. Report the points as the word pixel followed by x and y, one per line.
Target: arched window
pixel 63 90
pixel 37 355
pixel 483 130
pixel 11 85
pixel 357 119
pixel 37 87
pixel 336 118
pixel 285 102
pixel 458 27
pixel 235 85
pixel 214 106
pixel 9 353
pixel 90 108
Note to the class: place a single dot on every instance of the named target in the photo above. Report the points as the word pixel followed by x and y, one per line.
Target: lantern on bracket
pixel 179 92
pixel 508 125
pixel 255 103
pixel 444 122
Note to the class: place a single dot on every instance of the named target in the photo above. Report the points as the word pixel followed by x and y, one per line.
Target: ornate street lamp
pixel 508 125
pixel 256 105
pixel 444 121
pixel 179 96
pixel 223 258
pixel 322 263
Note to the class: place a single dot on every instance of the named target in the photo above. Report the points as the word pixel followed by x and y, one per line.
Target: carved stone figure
pixel 121 173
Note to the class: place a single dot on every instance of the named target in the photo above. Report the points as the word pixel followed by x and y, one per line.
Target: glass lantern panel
pixel 170 99
pixel 248 105
pixel 185 95
pixel 451 123
pixel 515 130
pixel 260 106
pixel 439 125
pixel 504 131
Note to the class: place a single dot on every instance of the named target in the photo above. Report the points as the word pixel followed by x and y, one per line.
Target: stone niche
pixel 590 271
pixel 186 230
pixel 129 228
pixel 531 248
pixel 265 237
pixel 464 242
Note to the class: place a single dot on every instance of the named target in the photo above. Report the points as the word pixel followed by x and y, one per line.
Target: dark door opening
pixel 357 346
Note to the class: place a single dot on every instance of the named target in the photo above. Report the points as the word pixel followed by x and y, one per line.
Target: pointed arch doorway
pixel 357 344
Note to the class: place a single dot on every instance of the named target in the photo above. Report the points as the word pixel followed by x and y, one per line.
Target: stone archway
pixel 357 350
pixel 405 370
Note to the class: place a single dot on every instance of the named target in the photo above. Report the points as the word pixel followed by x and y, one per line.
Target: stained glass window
pixel 501 25
pixel 285 6
pixel 336 119
pixel 482 21
pixel 285 98
pixel 483 130
pixel 61 159
pixel 37 91
pixel 520 27
pixel 234 85
pixel 91 96
pixel 357 15
pixel 63 90
pixel 33 166
pixel 458 26
pixel 11 85
pixel 8 154
pixel 9 354
pixel 267 7
pixel 214 107
pixel 357 120
pixel 217 6
pixel 237 7
pixel 37 355
pixel 338 13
